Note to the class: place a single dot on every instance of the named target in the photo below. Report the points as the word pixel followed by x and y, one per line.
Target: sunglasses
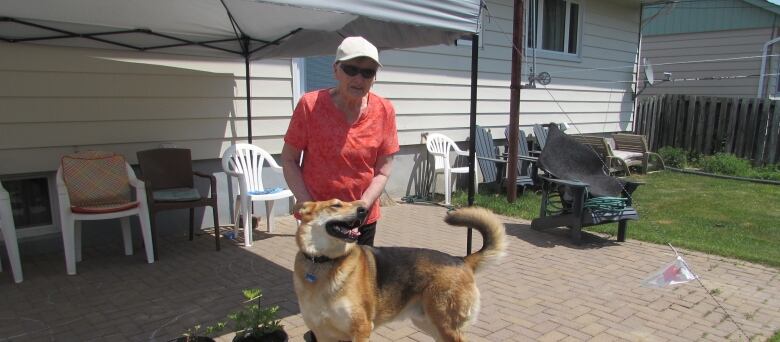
pixel 352 71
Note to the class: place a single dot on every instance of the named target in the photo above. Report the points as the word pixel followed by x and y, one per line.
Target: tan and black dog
pixel 346 290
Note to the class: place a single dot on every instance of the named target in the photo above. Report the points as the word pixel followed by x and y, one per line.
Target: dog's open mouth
pixel 344 230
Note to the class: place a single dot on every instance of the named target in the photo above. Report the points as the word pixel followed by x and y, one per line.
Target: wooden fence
pixel 746 127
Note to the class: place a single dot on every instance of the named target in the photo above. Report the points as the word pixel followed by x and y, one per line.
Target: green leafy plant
pixel 770 172
pixel 727 164
pixel 254 321
pixel 194 334
pixel 673 156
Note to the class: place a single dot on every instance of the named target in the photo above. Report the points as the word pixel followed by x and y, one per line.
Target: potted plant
pixel 255 323
pixel 193 334
pixel 252 324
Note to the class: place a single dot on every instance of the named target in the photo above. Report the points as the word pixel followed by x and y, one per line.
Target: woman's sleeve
pixel 297 134
pixel 390 143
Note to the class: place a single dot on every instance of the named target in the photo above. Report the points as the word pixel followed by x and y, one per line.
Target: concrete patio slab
pixel 545 289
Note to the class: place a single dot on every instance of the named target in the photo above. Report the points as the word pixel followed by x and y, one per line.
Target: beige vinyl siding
pixel 668 52
pixel 55 101
pixel 430 86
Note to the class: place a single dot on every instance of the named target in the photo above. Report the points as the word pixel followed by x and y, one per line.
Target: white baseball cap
pixel 354 47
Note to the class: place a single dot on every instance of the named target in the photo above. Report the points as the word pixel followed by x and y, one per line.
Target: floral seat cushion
pixel 104 208
pixel 97 182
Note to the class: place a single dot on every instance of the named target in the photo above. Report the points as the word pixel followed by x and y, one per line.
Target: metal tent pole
pixel 248 90
pixel 472 129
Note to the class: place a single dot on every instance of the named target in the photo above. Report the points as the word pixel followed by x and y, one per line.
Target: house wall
pixel 708 16
pixel 669 53
pixel 430 86
pixel 56 100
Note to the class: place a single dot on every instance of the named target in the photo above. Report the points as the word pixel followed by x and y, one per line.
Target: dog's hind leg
pixel 449 312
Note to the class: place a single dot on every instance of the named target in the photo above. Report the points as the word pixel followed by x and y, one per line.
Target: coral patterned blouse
pixel 339 158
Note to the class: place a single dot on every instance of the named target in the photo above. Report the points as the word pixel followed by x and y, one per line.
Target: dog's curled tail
pixel 488 225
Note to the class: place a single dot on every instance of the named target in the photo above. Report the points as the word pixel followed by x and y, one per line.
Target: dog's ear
pixel 306 208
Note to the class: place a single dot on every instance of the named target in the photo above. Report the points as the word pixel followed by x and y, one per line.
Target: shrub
pixel 770 172
pixel 673 156
pixel 727 164
pixel 694 157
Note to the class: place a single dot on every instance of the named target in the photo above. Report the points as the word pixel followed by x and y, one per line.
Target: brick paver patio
pixel 545 289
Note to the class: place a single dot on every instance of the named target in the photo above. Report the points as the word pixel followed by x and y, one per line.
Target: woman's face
pixel 356 85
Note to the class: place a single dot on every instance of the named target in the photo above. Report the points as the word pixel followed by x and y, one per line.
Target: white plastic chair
pixel 9 235
pixel 245 162
pixel 439 145
pixel 72 215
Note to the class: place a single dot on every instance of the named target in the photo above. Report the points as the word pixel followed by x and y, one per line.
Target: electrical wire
pixel 711 60
pixel 703 78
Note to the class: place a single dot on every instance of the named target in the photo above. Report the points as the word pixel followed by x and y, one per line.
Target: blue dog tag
pixel 310 277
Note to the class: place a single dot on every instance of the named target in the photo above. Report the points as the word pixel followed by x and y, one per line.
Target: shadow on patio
pixel 544 289
pixel 117 297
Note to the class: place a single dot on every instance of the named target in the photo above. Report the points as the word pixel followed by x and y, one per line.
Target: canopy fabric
pixel 273 28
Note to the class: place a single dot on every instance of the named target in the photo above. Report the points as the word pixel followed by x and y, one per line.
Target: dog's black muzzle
pixel 361 214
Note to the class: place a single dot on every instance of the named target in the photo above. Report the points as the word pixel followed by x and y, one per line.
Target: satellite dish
pixel 648 72
pixel 544 78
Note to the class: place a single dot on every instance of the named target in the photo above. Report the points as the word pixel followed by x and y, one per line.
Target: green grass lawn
pixel 724 217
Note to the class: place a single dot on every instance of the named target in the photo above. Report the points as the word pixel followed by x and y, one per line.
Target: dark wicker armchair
pixel 170 184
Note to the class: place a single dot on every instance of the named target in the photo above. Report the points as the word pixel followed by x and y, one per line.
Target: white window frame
pixel 551 54
pixel 299 79
pixel 54 227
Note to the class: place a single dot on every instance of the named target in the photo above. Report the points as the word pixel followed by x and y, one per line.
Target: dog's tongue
pixel 354 233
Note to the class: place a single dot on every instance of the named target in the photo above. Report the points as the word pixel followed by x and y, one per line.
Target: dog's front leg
pixel 361 331
pixel 361 338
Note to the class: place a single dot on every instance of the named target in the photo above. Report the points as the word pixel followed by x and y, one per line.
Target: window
pixel 312 73
pixel 554 25
pixel 30 202
pixel 318 73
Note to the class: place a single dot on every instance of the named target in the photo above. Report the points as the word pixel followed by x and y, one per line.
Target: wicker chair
pixel 170 185
pixel 96 185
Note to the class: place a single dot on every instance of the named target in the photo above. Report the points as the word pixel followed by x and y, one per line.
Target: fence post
pixel 690 121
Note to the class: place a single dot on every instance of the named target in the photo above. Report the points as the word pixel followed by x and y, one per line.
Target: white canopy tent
pixel 252 29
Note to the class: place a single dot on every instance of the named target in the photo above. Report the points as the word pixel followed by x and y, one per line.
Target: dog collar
pixel 318 259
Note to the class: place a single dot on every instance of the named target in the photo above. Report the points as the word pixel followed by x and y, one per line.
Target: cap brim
pixel 348 57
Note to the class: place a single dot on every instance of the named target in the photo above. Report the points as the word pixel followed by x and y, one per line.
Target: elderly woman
pixel 347 135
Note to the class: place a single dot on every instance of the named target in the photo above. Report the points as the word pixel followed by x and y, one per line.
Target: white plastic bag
pixel 675 272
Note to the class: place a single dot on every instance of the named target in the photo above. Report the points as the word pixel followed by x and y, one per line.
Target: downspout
pixel 765 52
pixel 773 35
pixel 638 64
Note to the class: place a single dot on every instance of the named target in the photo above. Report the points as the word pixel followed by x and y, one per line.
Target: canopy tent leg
pixel 472 129
pixel 248 82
